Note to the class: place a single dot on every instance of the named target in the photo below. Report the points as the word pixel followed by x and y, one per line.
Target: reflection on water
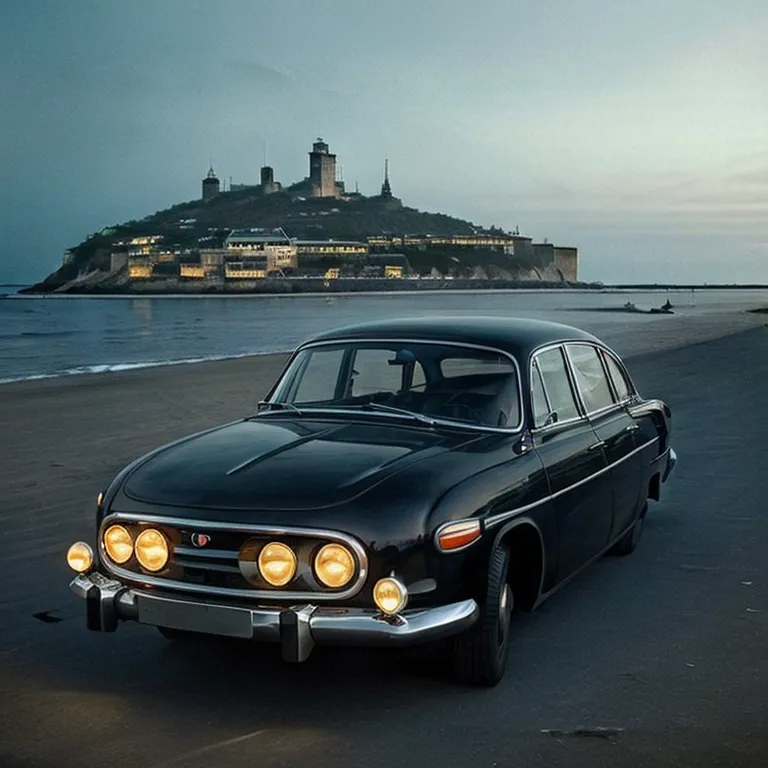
pixel 142 308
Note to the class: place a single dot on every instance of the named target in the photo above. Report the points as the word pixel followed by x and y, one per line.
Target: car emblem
pixel 200 539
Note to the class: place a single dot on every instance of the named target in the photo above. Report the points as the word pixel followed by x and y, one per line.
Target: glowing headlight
pixel 334 565
pixel 277 564
pixel 118 543
pixel 80 557
pixel 390 595
pixel 151 549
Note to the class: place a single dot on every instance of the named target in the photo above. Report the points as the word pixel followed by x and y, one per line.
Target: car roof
pixel 515 335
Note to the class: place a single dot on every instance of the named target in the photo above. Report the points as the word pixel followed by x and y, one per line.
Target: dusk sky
pixel 637 132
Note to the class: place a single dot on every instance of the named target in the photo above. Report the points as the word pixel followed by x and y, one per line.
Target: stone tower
pixel 322 171
pixel 210 185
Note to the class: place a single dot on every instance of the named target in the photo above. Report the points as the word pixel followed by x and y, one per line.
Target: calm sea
pixel 63 335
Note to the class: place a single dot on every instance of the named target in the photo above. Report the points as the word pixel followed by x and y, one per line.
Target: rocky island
pixel 311 236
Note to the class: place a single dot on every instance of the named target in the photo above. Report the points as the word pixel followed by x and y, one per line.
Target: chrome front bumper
pixel 297 628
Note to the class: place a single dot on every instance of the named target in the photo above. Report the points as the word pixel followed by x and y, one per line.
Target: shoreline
pixel 627 340
pixel 611 290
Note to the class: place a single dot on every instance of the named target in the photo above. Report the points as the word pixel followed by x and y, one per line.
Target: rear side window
pixel 557 385
pixel 590 377
pixel 623 388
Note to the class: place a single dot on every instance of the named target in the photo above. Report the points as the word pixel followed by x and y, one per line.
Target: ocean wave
pixel 118 367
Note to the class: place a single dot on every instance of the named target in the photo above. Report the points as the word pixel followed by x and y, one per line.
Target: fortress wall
pixel 567 261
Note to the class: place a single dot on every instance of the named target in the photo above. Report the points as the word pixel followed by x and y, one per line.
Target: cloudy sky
pixel 635 131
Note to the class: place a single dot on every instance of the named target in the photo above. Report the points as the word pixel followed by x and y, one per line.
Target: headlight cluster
pixel 333 565
pixel 151 547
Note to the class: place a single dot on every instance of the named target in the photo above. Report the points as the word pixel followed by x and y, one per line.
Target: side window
pixel 318 380
pixel 539 399
pixel 554 376
pixel 373 373
pixel 590 377
pixel 623 388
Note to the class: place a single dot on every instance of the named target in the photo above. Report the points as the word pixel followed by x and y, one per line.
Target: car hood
pixel 283 464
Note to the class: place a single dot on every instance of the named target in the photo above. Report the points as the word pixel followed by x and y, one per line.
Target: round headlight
pixel 390 595
pixel 277 564
pixel 118 543
pixel 151 549
pixel 80 557
pixel 334 565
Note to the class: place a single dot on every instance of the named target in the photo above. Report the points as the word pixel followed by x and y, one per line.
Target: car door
pixel 573 460
pixel 615 428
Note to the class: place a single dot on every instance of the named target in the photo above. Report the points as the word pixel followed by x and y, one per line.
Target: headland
pixel 311 236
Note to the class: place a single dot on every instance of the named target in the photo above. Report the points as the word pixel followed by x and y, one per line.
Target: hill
pixel 199 223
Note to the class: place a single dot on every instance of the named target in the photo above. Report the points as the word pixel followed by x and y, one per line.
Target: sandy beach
pixel 68 695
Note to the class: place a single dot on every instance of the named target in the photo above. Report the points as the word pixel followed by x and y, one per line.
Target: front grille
pixel 221 558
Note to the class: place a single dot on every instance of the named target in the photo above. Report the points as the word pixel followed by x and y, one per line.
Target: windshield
pixel 440 381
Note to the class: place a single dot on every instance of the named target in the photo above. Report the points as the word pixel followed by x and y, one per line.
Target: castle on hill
pixel 323 180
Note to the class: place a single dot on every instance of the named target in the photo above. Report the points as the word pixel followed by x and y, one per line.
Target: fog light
pixel 277 564
pixel 152 550
pixel 390 595
pixel 334 566
pixel 80 557
pixel 118 544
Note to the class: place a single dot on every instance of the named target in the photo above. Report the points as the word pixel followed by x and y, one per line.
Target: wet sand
pixel 668 646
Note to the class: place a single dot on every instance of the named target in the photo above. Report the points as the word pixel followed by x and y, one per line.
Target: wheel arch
pixel 527 560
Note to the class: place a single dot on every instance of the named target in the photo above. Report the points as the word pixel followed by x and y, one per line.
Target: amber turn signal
pixel 458 535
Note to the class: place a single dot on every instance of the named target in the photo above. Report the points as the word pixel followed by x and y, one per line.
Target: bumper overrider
pixel 296 628
pixel 671 461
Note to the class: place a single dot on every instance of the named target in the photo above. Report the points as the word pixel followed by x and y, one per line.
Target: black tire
pixel 479 655
pixel 629 541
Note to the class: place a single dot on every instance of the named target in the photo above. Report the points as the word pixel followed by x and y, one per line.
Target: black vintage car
pixel 403 482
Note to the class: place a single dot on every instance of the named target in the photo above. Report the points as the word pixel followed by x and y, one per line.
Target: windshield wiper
pixel 401 411
pixel 276 406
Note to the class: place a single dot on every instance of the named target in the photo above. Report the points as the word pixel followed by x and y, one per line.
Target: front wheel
pixel 479 656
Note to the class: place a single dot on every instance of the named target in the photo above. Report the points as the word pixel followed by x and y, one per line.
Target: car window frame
pixel 560 346
pixel 632 394
pixel 282 382
pixel 599 349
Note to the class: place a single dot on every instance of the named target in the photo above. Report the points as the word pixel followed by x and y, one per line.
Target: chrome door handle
pixel 597 446
pixel 632 428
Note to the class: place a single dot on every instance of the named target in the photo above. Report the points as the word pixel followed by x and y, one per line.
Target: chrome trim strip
pixel 434 341
pixel 212 554
pixel 502 516
pixel 137 577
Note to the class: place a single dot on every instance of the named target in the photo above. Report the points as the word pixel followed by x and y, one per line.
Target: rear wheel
pixel 479 656
pixel 629 541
